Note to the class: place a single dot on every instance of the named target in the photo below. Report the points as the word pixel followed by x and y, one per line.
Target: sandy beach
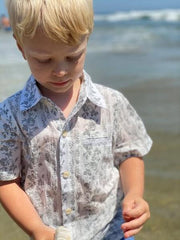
pixel 158 105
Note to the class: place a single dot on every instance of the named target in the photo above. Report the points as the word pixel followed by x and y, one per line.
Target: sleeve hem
pixel 8 176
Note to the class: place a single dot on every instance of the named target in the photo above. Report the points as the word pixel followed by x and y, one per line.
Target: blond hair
pixel 61 20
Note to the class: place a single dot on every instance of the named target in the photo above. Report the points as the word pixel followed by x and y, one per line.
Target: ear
pixel 20 47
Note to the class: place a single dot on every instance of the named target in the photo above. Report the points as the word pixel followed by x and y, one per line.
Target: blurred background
pixel 135 48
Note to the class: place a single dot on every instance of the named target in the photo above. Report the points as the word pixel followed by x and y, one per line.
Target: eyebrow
pixel 79 51
pixel 44 54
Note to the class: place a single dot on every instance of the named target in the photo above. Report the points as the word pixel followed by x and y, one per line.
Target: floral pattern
pixel 69 167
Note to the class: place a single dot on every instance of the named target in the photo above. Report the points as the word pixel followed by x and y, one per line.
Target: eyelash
pixel 72 59
pixel 69 59
pixel 43 61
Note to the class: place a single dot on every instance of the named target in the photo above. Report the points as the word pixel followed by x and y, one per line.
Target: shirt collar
pixel 93 93
pixel 31 94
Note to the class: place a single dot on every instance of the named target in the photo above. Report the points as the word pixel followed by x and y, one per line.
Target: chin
pixel 61 90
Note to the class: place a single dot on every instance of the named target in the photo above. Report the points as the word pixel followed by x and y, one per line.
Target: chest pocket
pixel 96 142
pixel 96 152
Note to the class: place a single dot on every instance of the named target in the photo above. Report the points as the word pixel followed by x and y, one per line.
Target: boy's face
pixel 55 66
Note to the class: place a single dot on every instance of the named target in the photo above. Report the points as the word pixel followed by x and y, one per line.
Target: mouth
pixel 60 83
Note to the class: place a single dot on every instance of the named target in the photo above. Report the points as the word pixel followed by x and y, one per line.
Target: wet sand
pixel 158 103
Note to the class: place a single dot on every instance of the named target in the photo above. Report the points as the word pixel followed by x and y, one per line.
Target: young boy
pixel 70 150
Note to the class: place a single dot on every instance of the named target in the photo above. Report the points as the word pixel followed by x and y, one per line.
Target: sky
pixel 105 6
pixel 2 8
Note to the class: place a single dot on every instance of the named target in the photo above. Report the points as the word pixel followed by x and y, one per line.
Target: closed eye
pixel 73 58
pixel 43 60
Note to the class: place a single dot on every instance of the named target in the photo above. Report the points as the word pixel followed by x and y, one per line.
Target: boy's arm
pixel 20 208
pixel 135 208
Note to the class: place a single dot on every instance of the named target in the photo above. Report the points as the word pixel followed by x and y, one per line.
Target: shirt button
pixel 66 175
pixel 64 134
pixel 68 211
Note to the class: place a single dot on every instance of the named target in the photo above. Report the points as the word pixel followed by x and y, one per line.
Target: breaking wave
pixel 168 15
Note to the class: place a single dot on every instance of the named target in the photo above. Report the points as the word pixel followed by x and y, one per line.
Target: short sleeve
pixel 130 136
pixel 10 145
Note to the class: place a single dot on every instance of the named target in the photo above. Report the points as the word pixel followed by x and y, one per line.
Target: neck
pixel 67 100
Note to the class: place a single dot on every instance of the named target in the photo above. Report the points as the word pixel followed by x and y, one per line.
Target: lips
pixel 60 83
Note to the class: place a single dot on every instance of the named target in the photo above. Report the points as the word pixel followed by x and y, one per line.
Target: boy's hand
pixel 135 212
pixel 44 233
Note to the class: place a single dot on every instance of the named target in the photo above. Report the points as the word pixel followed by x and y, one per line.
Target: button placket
pixel 66 181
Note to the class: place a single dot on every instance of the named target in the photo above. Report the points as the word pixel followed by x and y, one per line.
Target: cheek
pixel 79 66
pixel 37 70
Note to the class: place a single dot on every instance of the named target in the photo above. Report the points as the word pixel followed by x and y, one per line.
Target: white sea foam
pixel 122 40
pixel 168 15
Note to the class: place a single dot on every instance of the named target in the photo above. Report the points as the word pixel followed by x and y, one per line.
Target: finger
pixel 134 224
pixel 130 233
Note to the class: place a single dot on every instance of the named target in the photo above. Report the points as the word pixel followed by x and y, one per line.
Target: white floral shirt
pixel 69 167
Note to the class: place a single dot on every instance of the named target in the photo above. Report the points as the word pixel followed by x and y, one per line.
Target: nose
pixel 60 70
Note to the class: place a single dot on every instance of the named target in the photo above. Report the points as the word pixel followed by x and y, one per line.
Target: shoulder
pixel 111 96
pixel 9 114
pixel 118 105
pixel 10 106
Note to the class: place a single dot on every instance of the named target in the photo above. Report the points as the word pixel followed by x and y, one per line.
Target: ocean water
pixel 126 49
pixel 132 46
pixel 137 46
